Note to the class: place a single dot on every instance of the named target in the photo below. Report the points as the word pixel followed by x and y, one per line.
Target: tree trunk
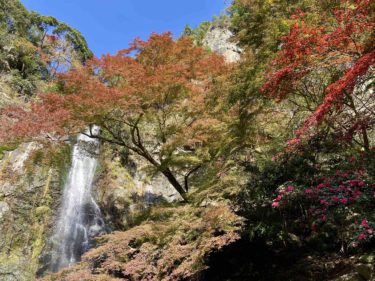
pixel 366 142
pixel 140 149
pixel 173 181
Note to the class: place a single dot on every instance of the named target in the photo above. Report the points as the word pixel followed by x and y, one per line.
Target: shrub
pixel 340 205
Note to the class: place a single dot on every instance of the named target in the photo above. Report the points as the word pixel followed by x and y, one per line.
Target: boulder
pixel 365 270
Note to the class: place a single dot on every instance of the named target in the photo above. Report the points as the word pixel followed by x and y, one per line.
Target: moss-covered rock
pixel 366 271
pixel 30 190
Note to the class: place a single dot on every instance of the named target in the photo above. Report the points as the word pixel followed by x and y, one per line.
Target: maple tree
pixel 338 54
pixel 152 98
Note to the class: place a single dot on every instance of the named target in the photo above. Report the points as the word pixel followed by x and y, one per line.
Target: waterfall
pixel 79 218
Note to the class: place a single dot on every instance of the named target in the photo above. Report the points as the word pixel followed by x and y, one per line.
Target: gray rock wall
pixel 126 191
pixel 219 40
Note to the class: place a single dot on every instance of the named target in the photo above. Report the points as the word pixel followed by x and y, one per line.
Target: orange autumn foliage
pixel 152 98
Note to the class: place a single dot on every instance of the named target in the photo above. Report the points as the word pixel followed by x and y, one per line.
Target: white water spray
pixel 79 218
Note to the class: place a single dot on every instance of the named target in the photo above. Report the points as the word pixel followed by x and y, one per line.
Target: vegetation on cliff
pixel 33 48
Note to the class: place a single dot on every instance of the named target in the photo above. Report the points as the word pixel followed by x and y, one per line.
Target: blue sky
pixel 109 25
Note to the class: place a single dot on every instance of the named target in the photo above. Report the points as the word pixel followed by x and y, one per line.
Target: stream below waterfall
pixel 79 219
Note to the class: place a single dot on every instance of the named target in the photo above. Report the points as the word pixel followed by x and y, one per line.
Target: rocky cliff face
pixel 29 193
pixel 125 191
pixel 219 39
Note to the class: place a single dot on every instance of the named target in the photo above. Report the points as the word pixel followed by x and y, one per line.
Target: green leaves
pixel 34 47
pixel 198 33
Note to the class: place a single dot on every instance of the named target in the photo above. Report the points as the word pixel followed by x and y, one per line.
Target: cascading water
pixel 79 218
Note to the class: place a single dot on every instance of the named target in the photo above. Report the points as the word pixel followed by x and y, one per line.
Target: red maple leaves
pixel 345 43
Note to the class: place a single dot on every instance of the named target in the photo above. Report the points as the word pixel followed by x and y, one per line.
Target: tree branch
pixel 186 177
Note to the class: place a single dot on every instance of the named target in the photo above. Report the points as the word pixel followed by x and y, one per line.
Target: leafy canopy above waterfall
pixel 157 98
